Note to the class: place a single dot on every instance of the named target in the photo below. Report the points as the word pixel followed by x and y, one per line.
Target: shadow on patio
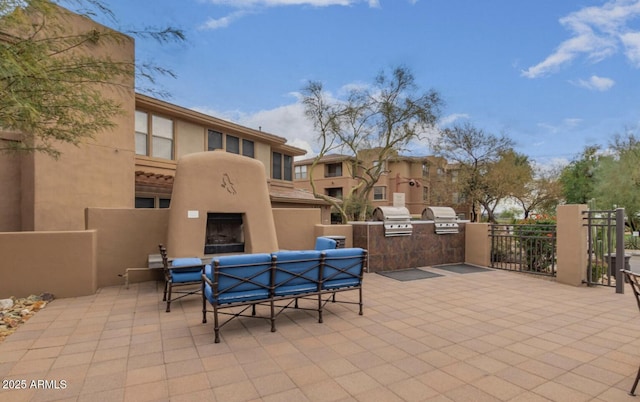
pixel 485 336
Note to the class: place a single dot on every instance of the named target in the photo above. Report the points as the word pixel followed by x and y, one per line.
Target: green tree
pixel 53 75
pixel 541 194
pixel 503 178
pixel 475 151
pixel 371 125
pixel 617 178
pixel 577 178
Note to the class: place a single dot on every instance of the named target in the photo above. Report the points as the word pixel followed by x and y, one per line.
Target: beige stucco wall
pixel 61 263
pixel 98 172
pixel 126 238
pixel 219 182
pixel 571 245
pixel 295 227
pixel 478 244
pixel 190 138
pixel 11 190
pixel 262 152
pixel 336 230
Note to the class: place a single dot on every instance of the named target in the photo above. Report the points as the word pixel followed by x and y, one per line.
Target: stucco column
pixel 572 245
pixel 477 244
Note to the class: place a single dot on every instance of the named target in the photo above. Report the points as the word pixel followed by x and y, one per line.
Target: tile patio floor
pixel 487 336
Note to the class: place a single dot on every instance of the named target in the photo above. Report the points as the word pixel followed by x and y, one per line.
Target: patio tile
pixel 498 336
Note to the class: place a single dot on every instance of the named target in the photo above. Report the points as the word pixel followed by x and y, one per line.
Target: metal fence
pixel 605 236
pixel 529 248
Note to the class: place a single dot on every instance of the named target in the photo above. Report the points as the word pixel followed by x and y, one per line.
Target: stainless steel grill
pixel 396 220
pixel 444 219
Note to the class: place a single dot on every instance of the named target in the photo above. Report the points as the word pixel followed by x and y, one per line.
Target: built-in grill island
pixel 396 220
pixel 444 219
pixel 224 233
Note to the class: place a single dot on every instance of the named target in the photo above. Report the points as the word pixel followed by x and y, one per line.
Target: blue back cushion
pixel 186 274
pixel 325 243
pixel 297 271
pixel 243 272
pixel 343 267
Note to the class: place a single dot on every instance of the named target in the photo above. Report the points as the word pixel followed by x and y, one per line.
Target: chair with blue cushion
pixel 243 281
pixel 297 275
pixel 184 274
pixel 325 243
pixel 343 270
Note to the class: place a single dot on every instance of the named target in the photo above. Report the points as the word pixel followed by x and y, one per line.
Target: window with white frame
pixel 379 193
pixel 154 135
pixel 162 132
pixel 142 133
pixel 300 172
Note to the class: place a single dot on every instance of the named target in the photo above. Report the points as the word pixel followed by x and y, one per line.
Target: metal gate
pixel 527 248
pixel 606 256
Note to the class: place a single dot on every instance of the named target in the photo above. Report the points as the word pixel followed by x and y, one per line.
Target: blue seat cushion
pixel 325 243
pixel 297 272
pixel 343 267
pixel 235 297
pixel 242 273
pixel 186 274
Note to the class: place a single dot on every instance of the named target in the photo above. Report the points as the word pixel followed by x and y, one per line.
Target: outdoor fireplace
pixel 224 233
pixel 220 204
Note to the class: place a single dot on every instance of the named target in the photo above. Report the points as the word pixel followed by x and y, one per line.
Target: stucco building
pixel 424 181
pixel 77 222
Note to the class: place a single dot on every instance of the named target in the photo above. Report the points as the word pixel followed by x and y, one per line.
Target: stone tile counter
pixel 422 248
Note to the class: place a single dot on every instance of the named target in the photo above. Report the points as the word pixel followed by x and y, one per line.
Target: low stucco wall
pixel 61 263
pixel 477 244
pixel 423 248
pixel 336 230
pixel 126 237
pixel 295 227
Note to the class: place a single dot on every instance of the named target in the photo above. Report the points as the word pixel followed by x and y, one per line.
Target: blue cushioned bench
pixel 235 285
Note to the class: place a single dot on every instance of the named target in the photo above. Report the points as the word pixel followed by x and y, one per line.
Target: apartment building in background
pixel 424 180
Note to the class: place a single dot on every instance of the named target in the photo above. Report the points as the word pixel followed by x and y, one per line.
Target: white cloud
pixel 597 32
pixel 595 83
pixel 216 23
pixel 631 43
pixel 565 125
pixel 452 118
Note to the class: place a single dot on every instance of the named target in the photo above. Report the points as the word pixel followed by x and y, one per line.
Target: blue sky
pixel 554 75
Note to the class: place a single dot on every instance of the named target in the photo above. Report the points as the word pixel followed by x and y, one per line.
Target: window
pixel 142 132
pixel 162 144
pixel 425 193
pixel 335 192
pixel 233 144
pixel 154 137
pixel 247 148
pixel 425 169
pixel 145 202
pixel 333 170
pixel 152 202
pixel 379 193
pixel 454 176
pixel 288 167
pixel 440 171
pixel 276 165
pixel 281 166
pixel 301 172
pixel 382 165
pixel 214 140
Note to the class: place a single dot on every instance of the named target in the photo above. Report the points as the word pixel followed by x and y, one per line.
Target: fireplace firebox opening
pixel 224 233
